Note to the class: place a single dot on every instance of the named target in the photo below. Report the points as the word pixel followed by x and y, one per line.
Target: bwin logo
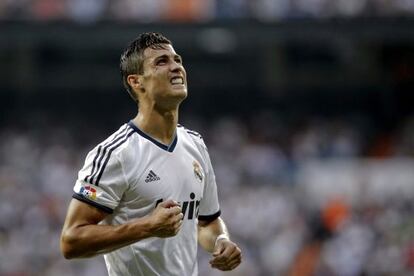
pixel 192 207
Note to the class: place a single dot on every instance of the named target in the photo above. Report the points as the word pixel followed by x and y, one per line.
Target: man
pixel 147 194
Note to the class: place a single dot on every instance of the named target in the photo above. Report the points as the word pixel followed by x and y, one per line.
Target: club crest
pixel 198 172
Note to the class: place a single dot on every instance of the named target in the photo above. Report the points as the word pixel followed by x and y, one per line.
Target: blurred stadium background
pixel 306 106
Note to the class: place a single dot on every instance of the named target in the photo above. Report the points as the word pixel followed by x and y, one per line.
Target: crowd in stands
pixel 283 193
pixel 87 11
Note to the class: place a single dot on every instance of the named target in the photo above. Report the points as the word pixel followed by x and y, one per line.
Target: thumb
pixel 168 203
pixel 218 249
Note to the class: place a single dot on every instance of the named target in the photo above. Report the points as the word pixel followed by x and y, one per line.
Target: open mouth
pixel 177 80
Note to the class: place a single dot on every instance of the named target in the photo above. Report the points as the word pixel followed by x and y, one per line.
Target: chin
pixel 172 100
pixel 181 97
pixel 180 94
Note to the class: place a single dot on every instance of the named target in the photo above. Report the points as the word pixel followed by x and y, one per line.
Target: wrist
pixel 144 227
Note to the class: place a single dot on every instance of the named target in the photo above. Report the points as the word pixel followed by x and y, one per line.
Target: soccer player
pixel 147 194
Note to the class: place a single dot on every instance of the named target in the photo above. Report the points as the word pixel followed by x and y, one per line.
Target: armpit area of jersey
pixel 209 218
pixel 93 203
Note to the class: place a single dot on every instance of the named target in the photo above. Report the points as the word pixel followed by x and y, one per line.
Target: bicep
pixel 204 223
pixel 80 213
pixel 77 228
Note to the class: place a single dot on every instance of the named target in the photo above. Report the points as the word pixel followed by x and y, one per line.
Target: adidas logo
pixel 151 177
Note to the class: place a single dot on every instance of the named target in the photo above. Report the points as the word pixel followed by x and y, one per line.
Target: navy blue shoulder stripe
pixel 88 178
pixel 104 151
pixel 189 131
pixel 111 149
pixel 194 133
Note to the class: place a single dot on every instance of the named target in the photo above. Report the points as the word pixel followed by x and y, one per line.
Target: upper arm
pixel 203 223
pixel 80 213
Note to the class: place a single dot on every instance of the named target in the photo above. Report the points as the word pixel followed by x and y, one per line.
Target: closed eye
pixel 161 61
pixel 178 60
pixel 164 59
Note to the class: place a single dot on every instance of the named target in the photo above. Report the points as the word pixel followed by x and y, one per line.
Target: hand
pixel 226 256
pixel 166 219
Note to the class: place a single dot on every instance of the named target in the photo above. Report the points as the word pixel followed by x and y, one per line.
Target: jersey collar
pixel 169 148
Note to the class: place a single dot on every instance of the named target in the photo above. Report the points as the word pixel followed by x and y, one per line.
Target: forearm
pixel 89 240
pixel 83 236
pixel 208 233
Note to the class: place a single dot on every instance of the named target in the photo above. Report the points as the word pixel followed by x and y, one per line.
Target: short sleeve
pixel 209 205
pixel 101 182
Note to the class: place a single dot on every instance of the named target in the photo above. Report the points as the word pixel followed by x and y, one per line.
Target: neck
pixel 159 124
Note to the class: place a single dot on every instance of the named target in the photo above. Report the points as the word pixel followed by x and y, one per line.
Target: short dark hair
pixel 131 61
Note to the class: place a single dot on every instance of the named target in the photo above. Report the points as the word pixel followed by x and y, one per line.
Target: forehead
pixel 150 53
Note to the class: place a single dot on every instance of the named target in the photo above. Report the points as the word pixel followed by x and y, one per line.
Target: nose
pixel 176 66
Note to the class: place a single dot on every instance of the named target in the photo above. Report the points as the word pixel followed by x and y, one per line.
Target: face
pixel 164 77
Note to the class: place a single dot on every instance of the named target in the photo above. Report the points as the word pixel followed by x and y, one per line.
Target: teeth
pixel 177 80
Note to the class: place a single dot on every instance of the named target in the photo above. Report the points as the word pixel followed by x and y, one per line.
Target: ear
pixel 135 81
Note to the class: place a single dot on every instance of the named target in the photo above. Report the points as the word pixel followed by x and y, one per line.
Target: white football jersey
pixel 129 173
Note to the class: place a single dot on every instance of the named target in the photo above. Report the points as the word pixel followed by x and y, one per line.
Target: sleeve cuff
pixel 210 218
pixel 93 203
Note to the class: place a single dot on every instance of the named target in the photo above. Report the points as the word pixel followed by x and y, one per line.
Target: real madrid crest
pixel 198 172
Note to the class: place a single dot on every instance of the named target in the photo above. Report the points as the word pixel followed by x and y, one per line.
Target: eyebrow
pixel 167 56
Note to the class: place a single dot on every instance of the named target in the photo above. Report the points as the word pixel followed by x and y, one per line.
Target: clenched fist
pixel 226 256
pixel 166 219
